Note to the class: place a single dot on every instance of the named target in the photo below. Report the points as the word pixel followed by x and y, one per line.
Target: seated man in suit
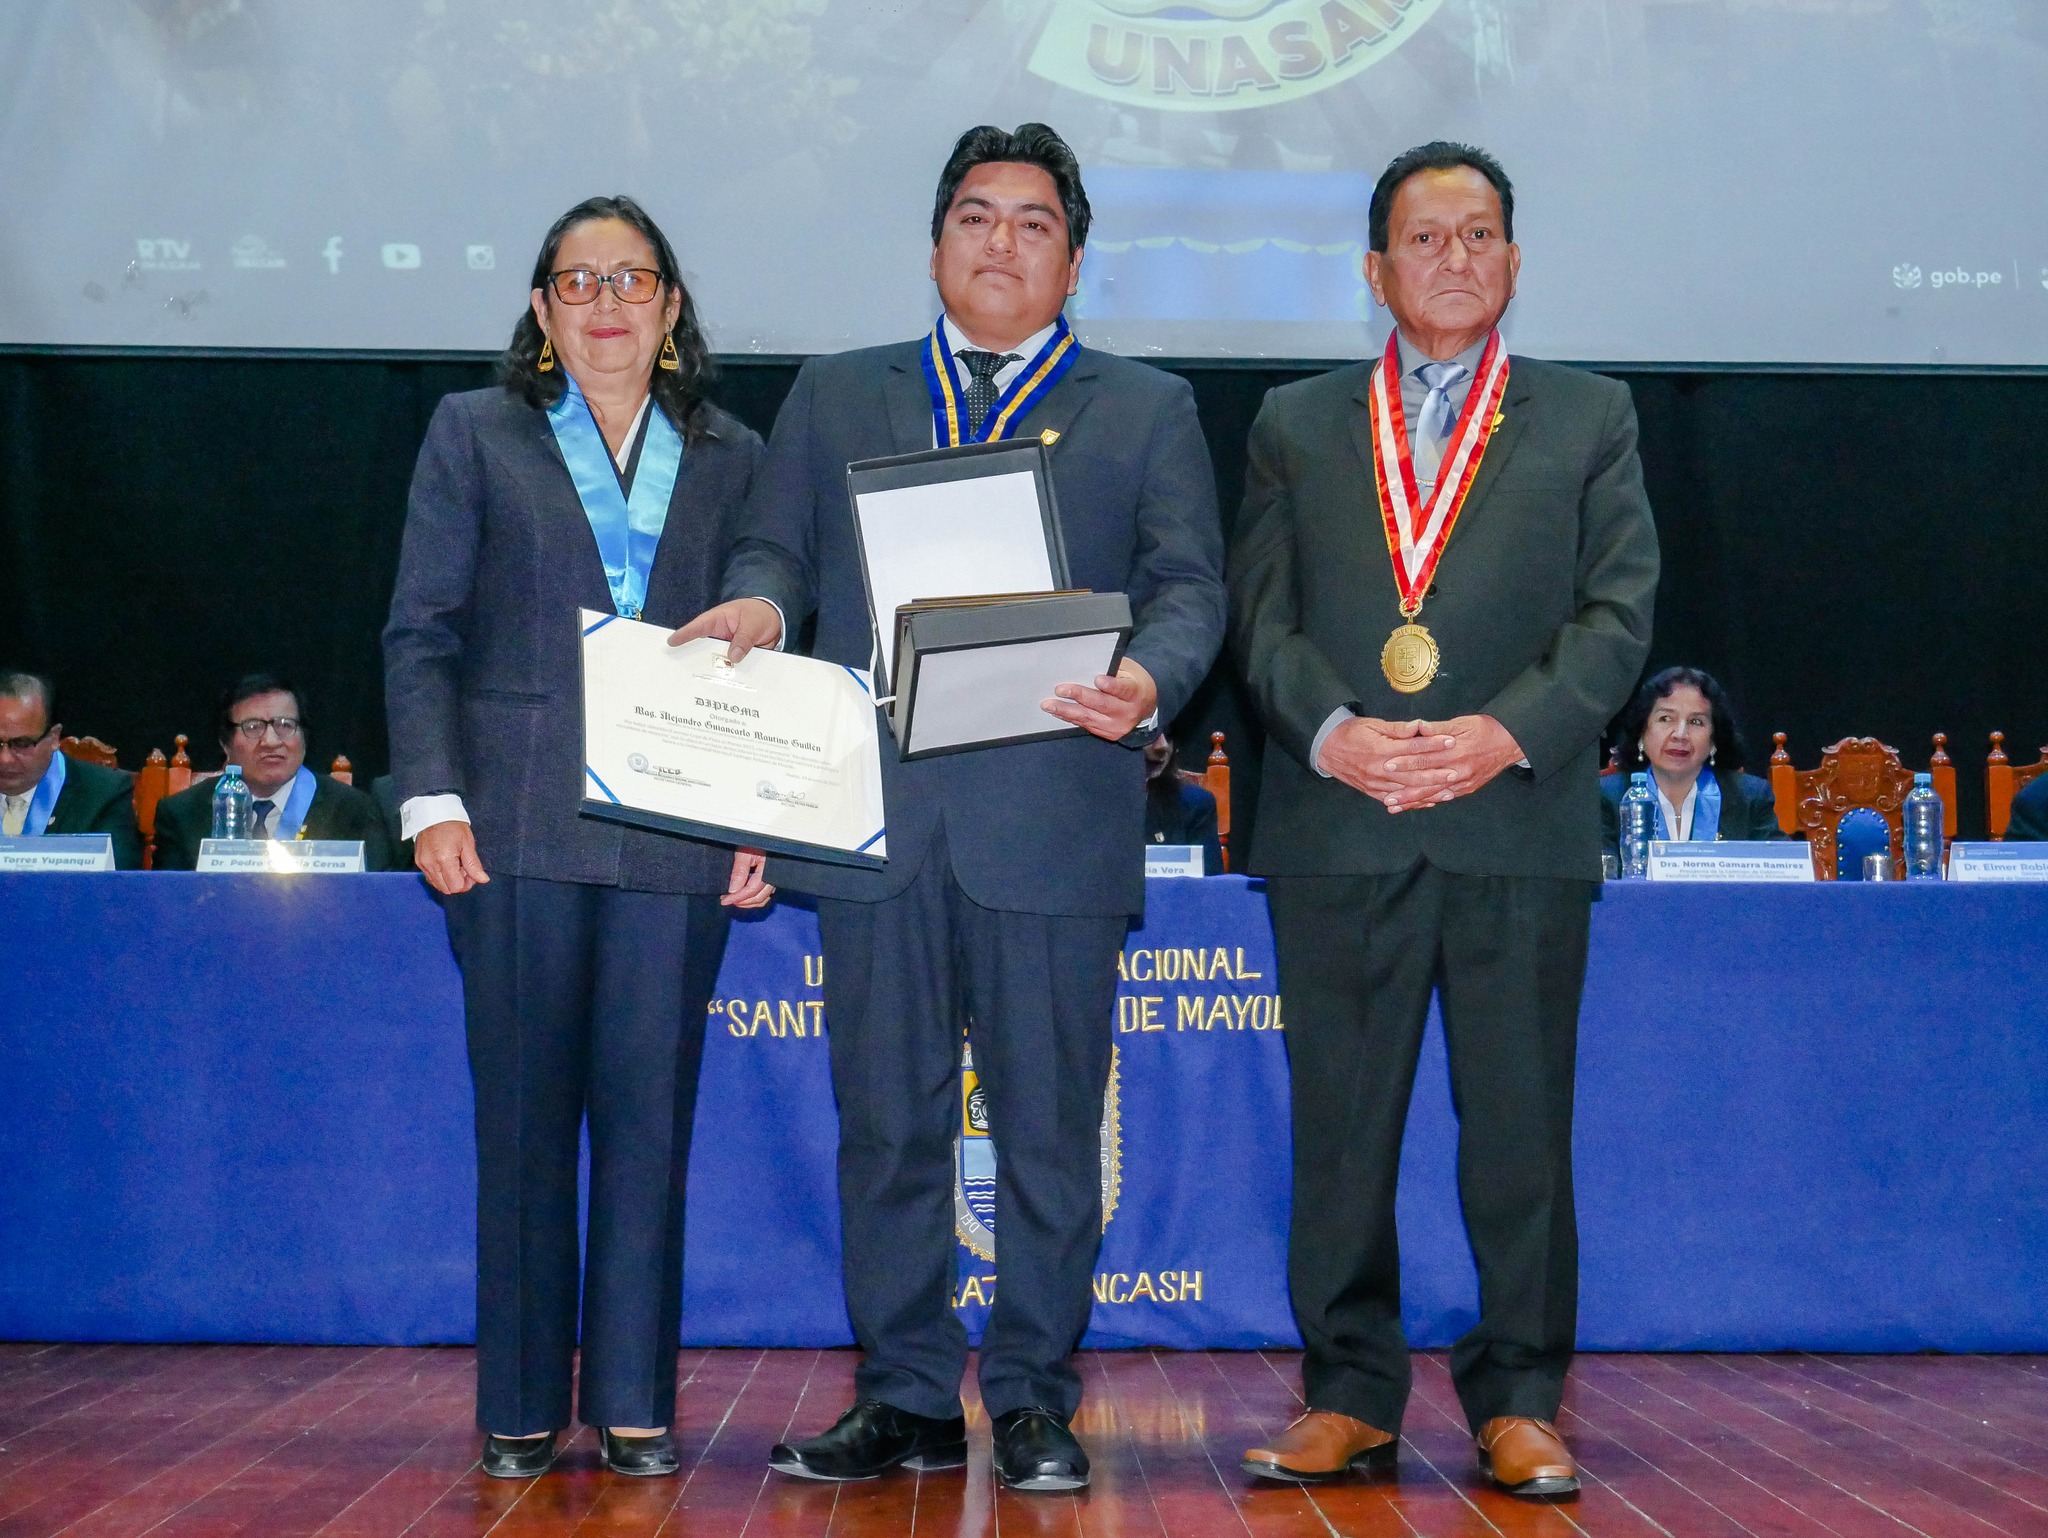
pixel 1177 811
pixel 1681 728
pixel 41 790
pixel 262 721
pixel 2030 813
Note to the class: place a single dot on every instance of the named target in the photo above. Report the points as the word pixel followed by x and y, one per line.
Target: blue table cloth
pixel 237 1108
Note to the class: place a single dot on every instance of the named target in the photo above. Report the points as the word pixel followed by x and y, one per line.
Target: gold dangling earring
pixel 669 360
pixel 546 365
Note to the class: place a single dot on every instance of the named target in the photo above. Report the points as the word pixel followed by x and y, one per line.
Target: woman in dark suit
pixel 1679 726
pixel 597 476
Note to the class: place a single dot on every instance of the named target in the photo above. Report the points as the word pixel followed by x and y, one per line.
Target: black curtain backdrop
pixel 1851 554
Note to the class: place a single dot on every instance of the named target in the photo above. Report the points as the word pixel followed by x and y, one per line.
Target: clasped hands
pixel 1407 765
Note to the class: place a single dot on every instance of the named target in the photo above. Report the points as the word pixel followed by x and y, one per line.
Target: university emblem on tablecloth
pixel 974 1158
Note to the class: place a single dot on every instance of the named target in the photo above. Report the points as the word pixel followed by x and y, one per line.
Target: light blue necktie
pixel 1434 423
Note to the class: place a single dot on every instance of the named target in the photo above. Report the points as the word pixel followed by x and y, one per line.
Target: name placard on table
pixel 82 853
pixel 1998 862
pixel 1174 860
pixel 308 856
pixel 1731 860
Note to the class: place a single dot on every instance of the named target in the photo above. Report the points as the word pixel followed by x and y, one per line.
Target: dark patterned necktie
pixel 259 818
pixel 982 368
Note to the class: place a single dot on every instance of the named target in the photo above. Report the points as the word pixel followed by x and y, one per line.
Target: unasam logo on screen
pixel 1219 55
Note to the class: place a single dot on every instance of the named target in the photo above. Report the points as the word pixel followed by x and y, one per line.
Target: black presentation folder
pixel 975 655
pixel 943 467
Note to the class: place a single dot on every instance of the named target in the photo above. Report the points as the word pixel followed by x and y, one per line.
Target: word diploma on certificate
pixel 777 752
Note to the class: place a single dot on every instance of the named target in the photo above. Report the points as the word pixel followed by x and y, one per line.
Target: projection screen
pixel 1817 182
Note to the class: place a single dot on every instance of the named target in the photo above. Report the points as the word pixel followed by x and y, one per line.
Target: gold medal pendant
pixel 1409 659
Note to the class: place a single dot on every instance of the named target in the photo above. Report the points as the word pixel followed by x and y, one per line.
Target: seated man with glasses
pixel 44 792
pixel 262 723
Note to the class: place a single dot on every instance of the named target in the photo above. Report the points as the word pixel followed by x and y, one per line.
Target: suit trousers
pixel 581 1002
pixel 1359 959
pixel 1035 995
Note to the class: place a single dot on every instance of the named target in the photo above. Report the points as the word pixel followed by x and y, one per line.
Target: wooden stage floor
pixel 276 1442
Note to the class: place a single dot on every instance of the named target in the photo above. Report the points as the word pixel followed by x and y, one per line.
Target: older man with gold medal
pixel 1452 856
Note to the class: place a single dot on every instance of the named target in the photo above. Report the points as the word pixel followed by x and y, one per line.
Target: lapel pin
pixel 1049 437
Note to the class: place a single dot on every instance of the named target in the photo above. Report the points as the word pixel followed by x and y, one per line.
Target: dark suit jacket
pixel 2030 812
pixel 1748 809
pixel 1048 827
pixel 338 812
pixel 97 800
pixel 1186 815
pixel 1541 611
pixel 482 661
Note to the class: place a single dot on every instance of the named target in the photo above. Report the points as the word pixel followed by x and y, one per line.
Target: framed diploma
pixel 974 673
pixel 778 753
pixel 953 523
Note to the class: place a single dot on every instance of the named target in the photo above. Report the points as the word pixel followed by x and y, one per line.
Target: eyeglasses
pixel 579 285
pixel 23 745
pixel 256 727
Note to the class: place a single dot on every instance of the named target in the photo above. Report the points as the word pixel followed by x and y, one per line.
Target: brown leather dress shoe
pixel 1525 1456
pixel 1322 1445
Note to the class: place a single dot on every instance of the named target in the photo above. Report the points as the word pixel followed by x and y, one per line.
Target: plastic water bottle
pixel 233 815
pixel 1923 818
pixel 1638 826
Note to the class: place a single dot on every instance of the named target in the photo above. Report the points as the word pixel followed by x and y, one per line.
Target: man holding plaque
pixel 1507 606
pixel 1012 871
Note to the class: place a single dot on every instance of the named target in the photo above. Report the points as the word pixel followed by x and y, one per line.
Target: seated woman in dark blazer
pixel 1177 812
pixel 1678 726
pixel 596 477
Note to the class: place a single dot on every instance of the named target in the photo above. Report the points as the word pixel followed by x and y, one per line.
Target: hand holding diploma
pixel 1112 708
pixel 773 753
pixel 742 623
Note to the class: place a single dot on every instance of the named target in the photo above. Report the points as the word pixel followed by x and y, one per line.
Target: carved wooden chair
pixel 156 779
pixel 343 770
pixel 2003 780
pixel 1857 774
pixel 89 750
pixel 1215 779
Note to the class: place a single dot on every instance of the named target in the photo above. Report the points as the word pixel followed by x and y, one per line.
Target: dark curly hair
pixel 1729 757
pixel 679 391
pixel 1032 144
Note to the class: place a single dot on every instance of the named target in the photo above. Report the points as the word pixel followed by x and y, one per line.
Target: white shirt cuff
pixel 1335 719
pixel 782 620
pixel 422 812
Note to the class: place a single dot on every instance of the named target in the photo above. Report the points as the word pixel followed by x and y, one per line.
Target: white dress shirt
pixel 1678 818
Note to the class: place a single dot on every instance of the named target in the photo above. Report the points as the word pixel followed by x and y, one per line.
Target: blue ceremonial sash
pixel 1706 812
pixel 1032 384
pixel 292 815
pixel 627 528
pixel 44 801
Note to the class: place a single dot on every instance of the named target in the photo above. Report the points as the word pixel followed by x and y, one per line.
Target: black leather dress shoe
pixel 873 1438
pixel 644 1457
pixel 520 1457
pixel 1035 1451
